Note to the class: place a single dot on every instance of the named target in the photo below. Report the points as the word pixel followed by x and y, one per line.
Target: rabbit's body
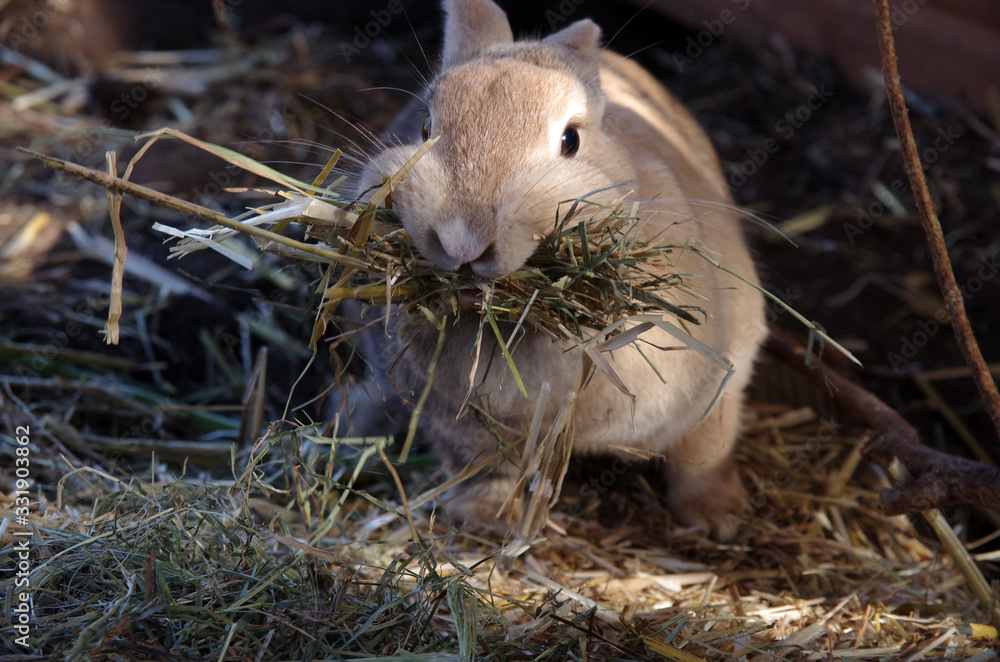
pixel 524 126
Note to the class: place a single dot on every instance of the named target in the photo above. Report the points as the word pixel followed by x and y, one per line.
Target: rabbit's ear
pixel 582 40
pixel 470 27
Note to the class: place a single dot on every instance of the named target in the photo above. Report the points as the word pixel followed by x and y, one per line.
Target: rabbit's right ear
pixel 470 27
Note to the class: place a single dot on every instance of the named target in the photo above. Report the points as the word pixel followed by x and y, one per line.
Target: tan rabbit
pixel 523 126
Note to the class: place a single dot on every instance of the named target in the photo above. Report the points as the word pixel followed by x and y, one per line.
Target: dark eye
pixel 570 141
pixel 425 130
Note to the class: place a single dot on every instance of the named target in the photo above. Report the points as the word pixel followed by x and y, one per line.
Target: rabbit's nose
pixel 454 246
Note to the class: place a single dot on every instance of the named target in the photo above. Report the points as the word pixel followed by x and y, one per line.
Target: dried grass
pixel 311 548
pixel 296 560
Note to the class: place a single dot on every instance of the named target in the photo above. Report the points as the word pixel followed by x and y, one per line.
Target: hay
pixel 295 560
pixel 590 271
pixel 300 546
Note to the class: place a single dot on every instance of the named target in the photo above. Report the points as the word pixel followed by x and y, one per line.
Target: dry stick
pixel 118 185
pixel 111 330
pixel 932 227
pixel 940 480
pixel 956 309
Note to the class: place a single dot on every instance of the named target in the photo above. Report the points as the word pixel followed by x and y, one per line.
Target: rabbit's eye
pixel 570 141
pixel 425 130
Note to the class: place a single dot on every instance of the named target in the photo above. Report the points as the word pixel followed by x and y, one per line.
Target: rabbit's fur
pixel 482 195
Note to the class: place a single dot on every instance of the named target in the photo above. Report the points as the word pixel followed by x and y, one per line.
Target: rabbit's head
pixel 520 131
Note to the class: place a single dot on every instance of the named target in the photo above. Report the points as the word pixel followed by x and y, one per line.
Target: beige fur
pixel 493 182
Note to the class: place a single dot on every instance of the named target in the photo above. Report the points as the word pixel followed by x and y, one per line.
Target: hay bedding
pixel 229 570
pixel 307 548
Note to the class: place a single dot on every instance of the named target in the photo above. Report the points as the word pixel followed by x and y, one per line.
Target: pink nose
pixel 453 245
pixel 461 246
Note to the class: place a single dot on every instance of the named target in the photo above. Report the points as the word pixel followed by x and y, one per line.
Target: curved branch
pixel 939 480
pixel 932 227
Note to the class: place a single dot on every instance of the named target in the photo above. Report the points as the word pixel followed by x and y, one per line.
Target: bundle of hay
pixel 591 271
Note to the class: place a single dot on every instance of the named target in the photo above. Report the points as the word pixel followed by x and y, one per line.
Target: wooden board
pixel 945 47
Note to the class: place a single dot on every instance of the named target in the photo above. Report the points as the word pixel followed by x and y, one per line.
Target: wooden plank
pixel 948 48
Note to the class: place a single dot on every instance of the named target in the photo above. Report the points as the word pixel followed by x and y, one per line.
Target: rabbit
pixel 522 126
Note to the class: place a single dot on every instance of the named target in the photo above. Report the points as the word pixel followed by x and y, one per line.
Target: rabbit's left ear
pixel 470 27
pixel 582 41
